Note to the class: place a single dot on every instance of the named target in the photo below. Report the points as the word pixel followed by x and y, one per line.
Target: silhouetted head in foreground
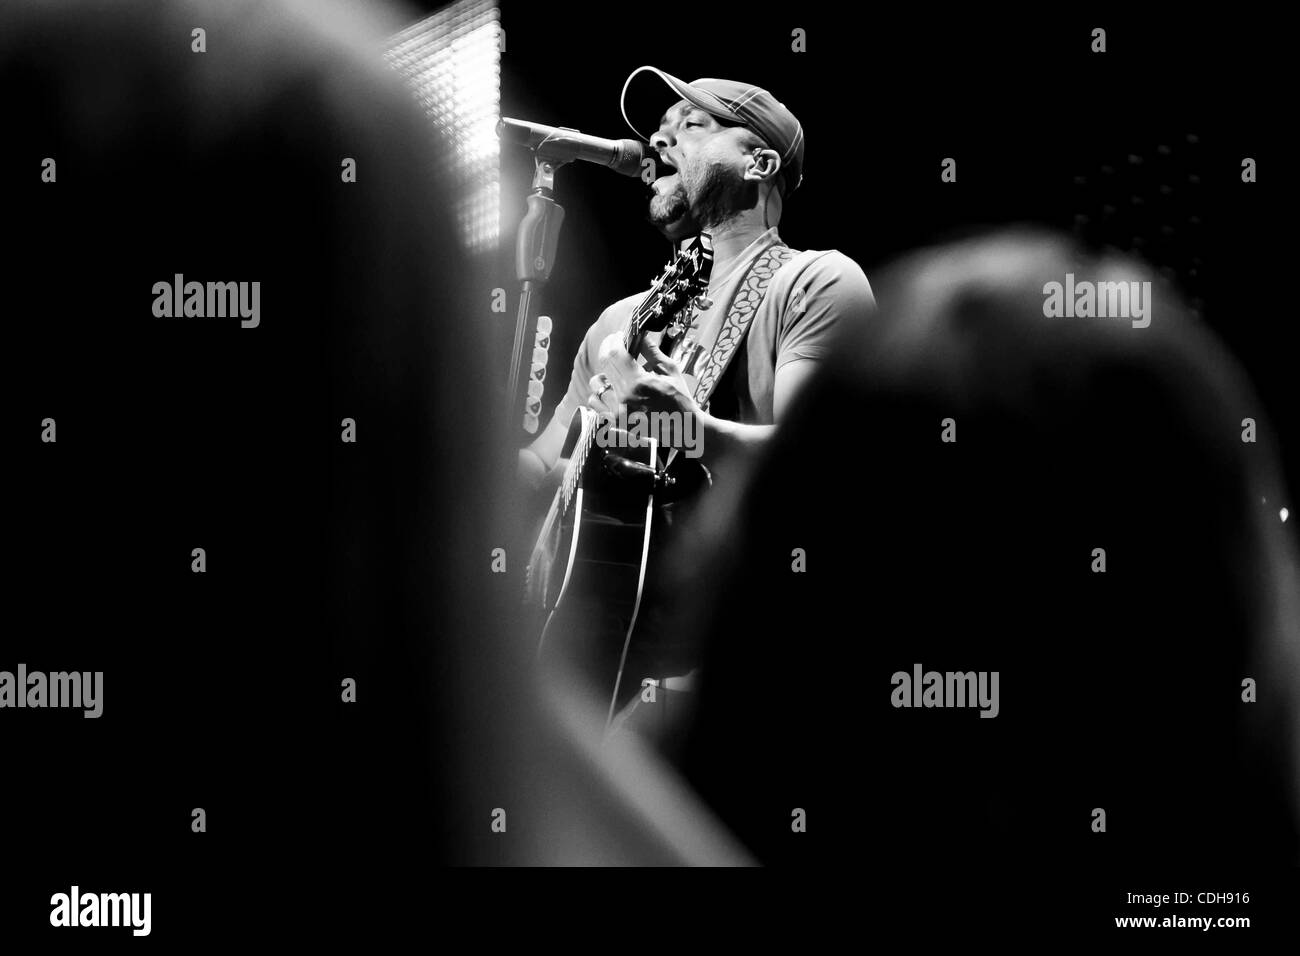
pixel 330 562
pixel 1118 690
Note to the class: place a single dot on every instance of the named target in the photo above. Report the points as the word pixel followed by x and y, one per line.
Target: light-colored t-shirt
pixel 809 300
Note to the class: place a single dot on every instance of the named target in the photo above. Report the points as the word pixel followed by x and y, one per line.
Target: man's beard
pixel 719 195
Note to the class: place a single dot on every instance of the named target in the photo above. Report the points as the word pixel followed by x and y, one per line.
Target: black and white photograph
pixel 455 440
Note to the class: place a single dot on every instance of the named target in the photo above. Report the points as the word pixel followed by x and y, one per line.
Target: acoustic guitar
pixel 602 536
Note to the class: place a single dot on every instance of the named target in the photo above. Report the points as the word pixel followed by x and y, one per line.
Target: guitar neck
pixel 686 277
pixel 636 333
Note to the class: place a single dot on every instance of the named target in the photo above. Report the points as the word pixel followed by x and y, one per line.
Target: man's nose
pixel 661 140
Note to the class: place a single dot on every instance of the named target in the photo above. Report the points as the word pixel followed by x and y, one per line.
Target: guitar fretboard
pixel 578 459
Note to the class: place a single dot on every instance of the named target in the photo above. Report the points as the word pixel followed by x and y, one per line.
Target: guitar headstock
pixel 682 280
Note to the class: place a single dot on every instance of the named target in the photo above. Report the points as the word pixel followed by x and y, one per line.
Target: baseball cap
pixel 750 106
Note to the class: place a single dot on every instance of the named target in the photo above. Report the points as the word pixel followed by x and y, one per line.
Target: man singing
pixel 737 153
pixel 769 317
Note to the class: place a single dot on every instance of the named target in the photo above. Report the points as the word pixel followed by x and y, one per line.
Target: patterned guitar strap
pixel 744 306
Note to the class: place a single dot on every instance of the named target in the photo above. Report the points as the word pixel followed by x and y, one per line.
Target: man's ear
pixel 765 165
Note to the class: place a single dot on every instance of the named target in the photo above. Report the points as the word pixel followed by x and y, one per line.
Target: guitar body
pixel 592 574
pixel 594 571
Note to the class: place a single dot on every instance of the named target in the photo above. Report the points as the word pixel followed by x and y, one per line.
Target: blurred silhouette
pixel 1119 690
pixel 326 560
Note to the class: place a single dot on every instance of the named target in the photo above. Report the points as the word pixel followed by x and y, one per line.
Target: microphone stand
pixel 539 234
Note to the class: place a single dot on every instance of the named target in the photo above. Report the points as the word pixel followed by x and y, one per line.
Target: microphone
pixel 561 144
